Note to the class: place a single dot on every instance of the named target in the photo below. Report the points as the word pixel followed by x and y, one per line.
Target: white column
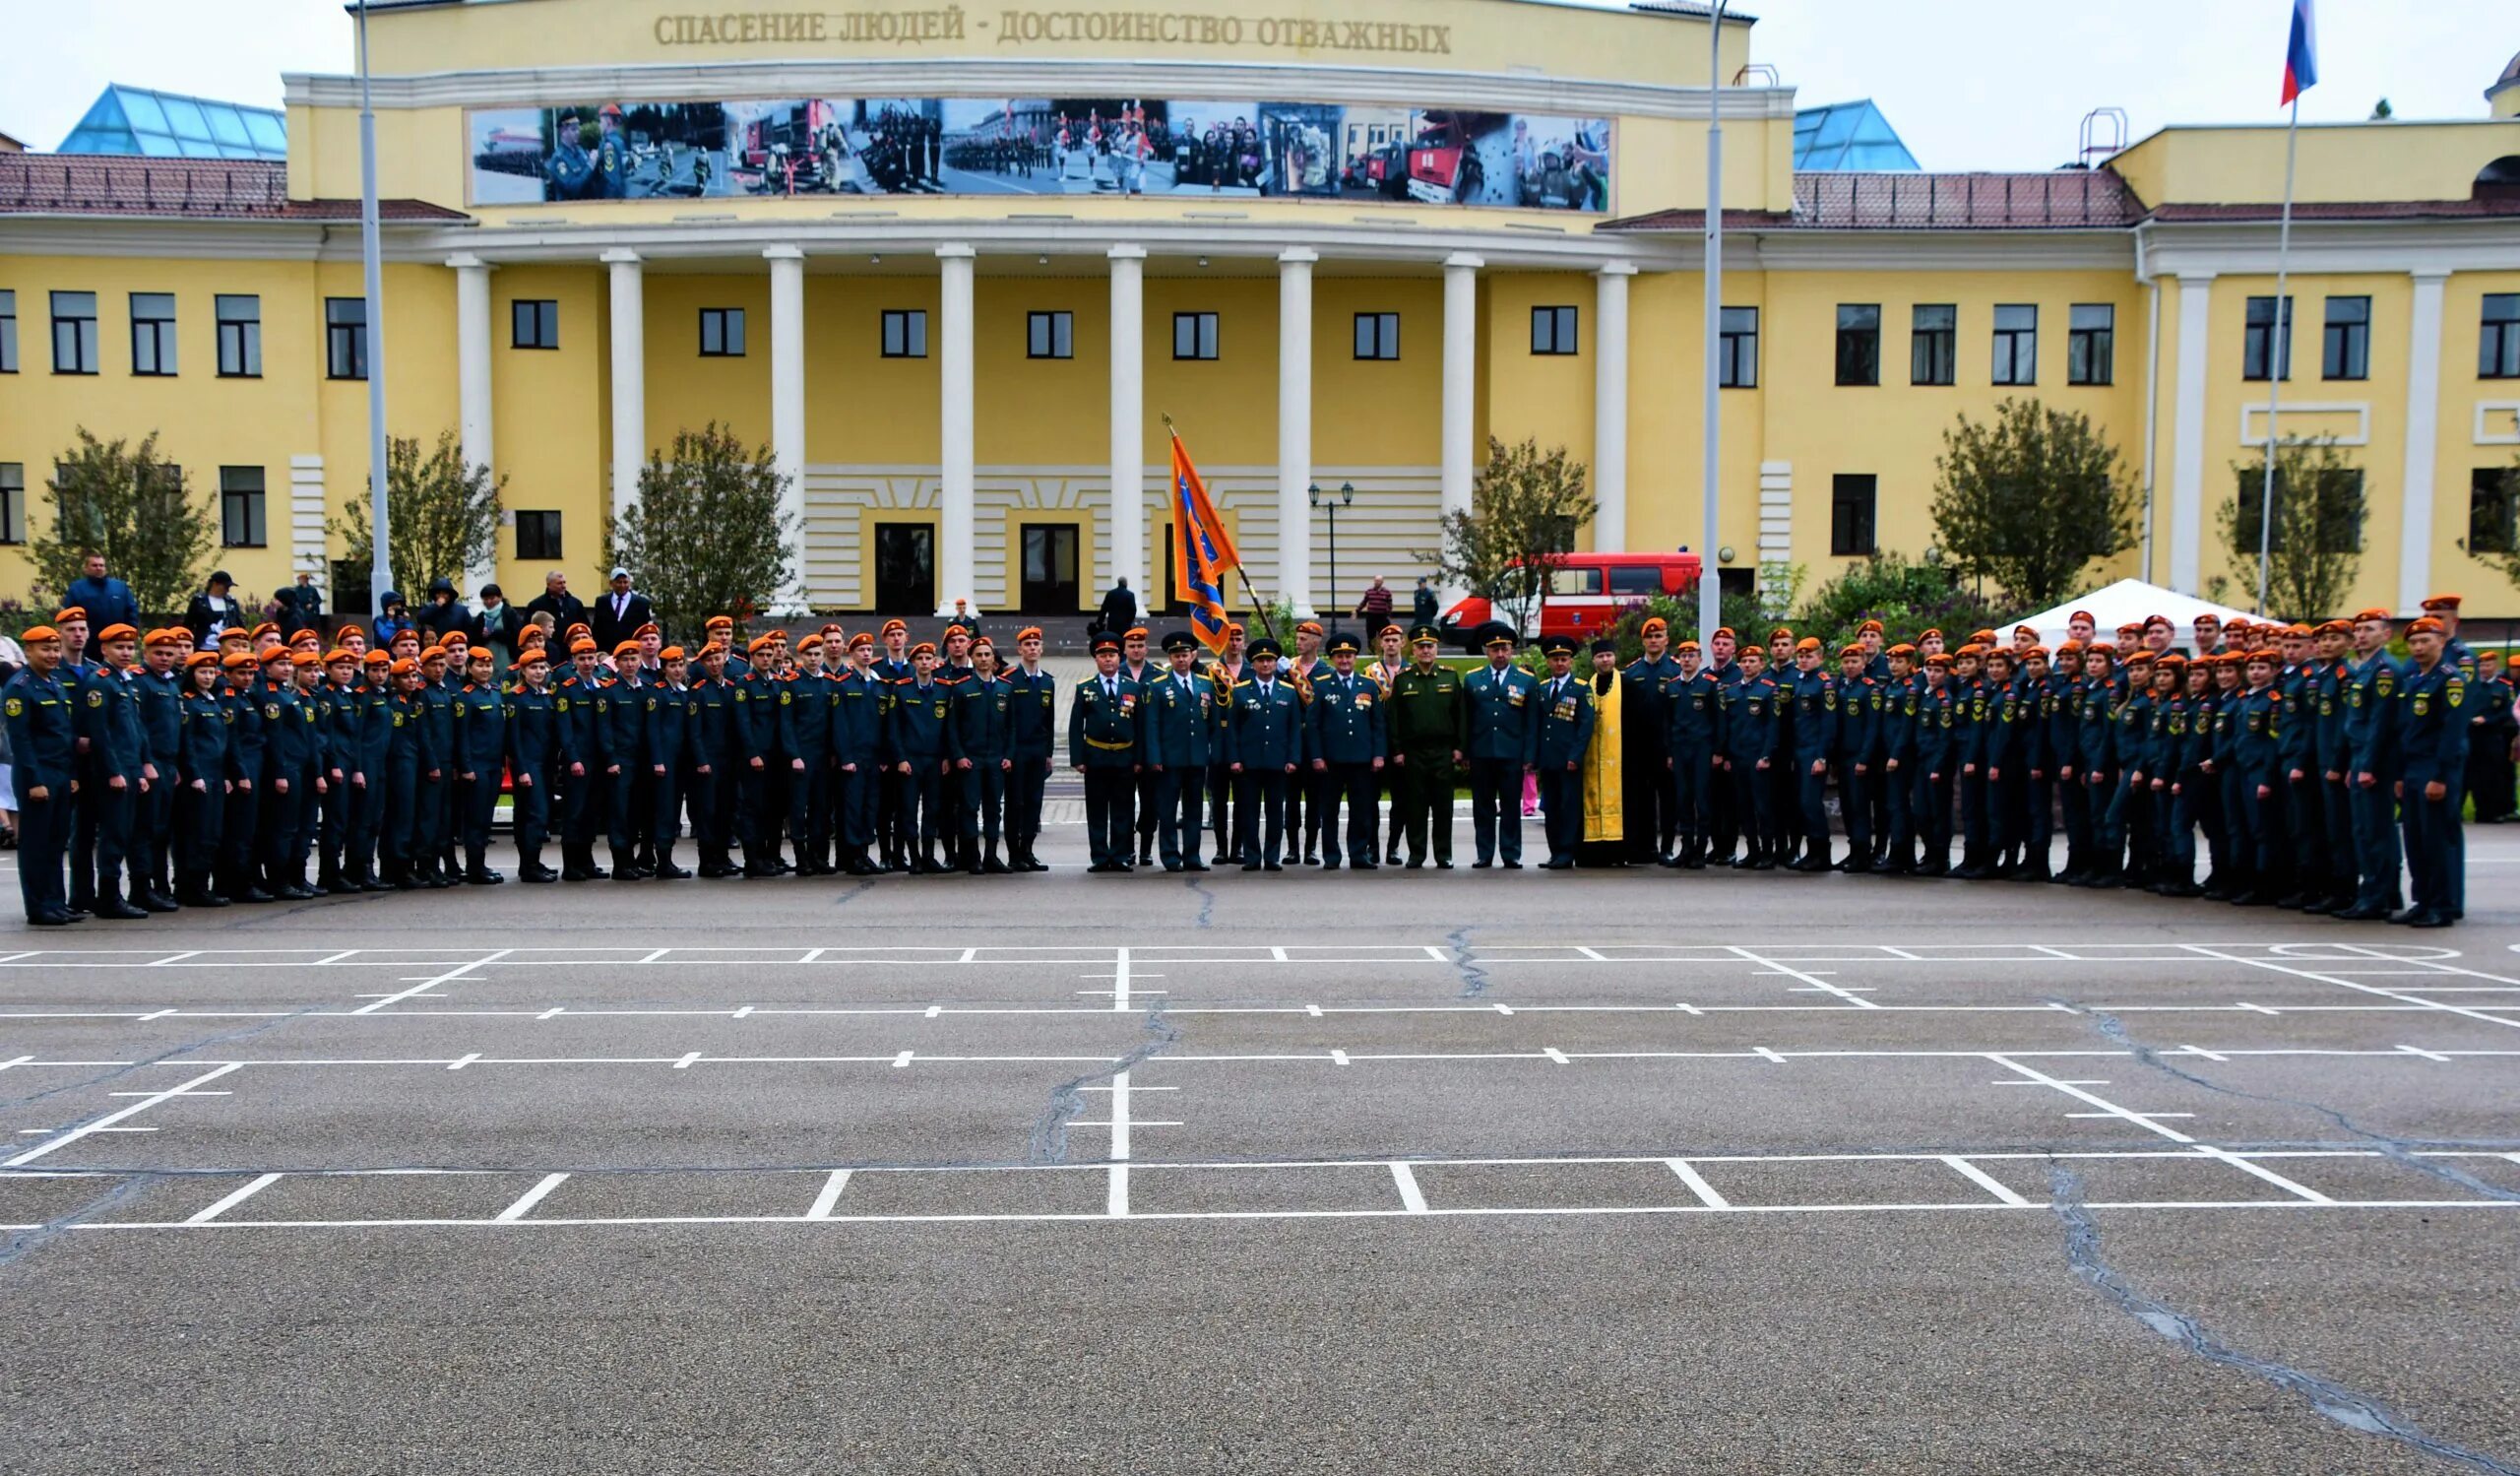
pixel 1294 428
pixel 1461 387
pixel 1128 418
pixel 954 364
pixel 472 383
pixel 1610 409
pixel 2188 436
pixel 2422 435
pixel 788 412
pixel 629 378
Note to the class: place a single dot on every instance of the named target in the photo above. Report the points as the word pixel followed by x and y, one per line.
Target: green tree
pixel 445 515
pixel 137 510
pixel 707 536
pixel 1907 598
pixel 1526 506
pixel 2030 499
pixel 2318 537
pixel 2493 527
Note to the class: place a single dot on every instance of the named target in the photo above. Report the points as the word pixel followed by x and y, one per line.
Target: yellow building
pixel 953 266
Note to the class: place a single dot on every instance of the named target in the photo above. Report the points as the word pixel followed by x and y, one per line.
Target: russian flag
pixel 2301 53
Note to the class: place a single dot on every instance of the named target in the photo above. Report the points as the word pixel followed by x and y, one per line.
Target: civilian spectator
pixel 498 626
pixel 444 611
pixel 566 609
pixel 1120 609
pixel 1375 608
pixel 214 611
pixel 107 600
pixel 618 612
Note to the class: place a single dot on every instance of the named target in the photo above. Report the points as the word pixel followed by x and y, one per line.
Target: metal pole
pixel 1710 584
pixel 2278 359
pixel 380 576
pixel 1333 509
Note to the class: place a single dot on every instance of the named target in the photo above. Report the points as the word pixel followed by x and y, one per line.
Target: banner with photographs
pixel 1038 146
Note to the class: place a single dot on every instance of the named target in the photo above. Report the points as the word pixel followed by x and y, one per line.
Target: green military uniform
pixel 1429 732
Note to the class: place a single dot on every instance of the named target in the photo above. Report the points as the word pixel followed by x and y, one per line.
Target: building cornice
pixel 213 240
pixel 2110 250
pixel 2384 247
pixel 969 77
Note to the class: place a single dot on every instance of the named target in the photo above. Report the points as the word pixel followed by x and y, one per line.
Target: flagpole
pixel 2278 360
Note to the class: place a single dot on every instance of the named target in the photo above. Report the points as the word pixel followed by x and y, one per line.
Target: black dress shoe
pixel 1329 865
pixel 51 919
pixel 1268 866
pixel 1480 866
pixel 157 902
pixel 667 872
pixel 116 910
pixel 2433 920
pixel 1195 865
pixel 1513 865
pixel 1443 865
pixel 1252 865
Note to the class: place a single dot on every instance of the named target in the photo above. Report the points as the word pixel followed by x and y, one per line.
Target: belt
pixel 1120 747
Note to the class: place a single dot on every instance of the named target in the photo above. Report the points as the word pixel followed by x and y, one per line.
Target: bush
pixel 1907 598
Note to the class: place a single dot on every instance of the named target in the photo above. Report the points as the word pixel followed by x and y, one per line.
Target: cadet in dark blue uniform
pixel 2257 749
pixel 160 686
pixel 1562 731
pixel 2456 655
pixel 761 768
pixel 984 720
pixel 1180 743
pixel 2433 753
pixel 1937 765
pixel 118 755
pixel 43 775
pixel 2371 768
pixel 1897 714
pixel 1856 754
pixel 1032 729
pixel 1500 695
pixel 713 754
pixel 665 748
pixel 1646 704
pixel 375 748
pixel 344 788
pixel 1345 736
pixel 408 759
pixel 862 701
pixel 1104 719
pixel 533 749
pixel 246 741
pixel 2328 751
pixel 919 746
pixel 1264 748
pixel 619 754
pixel 2305 812
pixel 807 697
pixel 1815 733
pixel 480 748
pixel 202 794
pixel 1694 700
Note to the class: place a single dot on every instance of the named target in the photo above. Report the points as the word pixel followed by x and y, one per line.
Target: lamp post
pixel 380 577
pixel 1710 584
pixel 1347 495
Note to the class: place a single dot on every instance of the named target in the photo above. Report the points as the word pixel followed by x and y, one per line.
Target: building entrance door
pixel 1049 583
pixel 905 568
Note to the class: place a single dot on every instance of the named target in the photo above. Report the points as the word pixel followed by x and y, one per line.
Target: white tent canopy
pixel 2130 601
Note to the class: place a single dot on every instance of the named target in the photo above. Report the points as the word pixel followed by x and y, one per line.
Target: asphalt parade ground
pixel 1418 1173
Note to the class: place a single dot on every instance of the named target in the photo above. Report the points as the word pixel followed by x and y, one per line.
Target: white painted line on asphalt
pixel 2146 1115
pixel 74 1135
pixel 2107 1107
pixel 18 1062
pixel 1705 1191
pixel 1813 979
pixel 1340 1059
pixel 526 1201
pixel 1404 1178
pixel 552 1013
pixel 423 986
pixel 1556 1055
pixel 2201 1051
pixel 2309 1195
pixel 901 1060
pixel 1767 1054
pixel 1115 1192
pixel 2426 1054
pixel 687 1060
pixel 2368 989
pixel 460 1065
pixel 1989 1182
pixel 172 958
pixel 239 1196
pixel 829 1196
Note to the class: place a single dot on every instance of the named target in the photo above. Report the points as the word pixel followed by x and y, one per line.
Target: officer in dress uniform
pixel 1264 748
pixel 1303 797
pixel 984 758
pixel 1694 702
pixel 43 774
pixel 1180 746
pixel 1032 725
pixel 1346 740
pixel 1105 716
pixel 1137 666
pixel 1562 731
pixel 1390 660
pixel 534 750
pixel 1430 719
pixel 1500 698
pixel 2431 739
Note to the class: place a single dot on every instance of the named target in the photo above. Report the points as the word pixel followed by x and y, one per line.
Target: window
pixel 1377 335
pixel 1049 334
pixel 2016 344
pixel 346 338
pixel 2498 346
pixel 2494 499
pixel 12 502
pixel 1194 335
pixel 538 535
pixel 240 335
pixel 153 333
pixel 2332 518
pixel 905 334
pixel 2345 348
pixel 1850 501
pixel 8 332
pixel 240 507
pixel 1566 580
pixel 2091 344
pixel 1636 581
pixel 1858 342
pixel 1552 330
pixel 721 333
pixel 1737 358
pixel 533 323
pixel 74 333
pixel 2257 340
pixel 1933 344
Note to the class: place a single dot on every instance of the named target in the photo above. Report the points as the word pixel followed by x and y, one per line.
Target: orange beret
pixel 1725 631
pixel 2425 626
pixel 644 631
pixel 625 648
pixel 2069 647
pixel 924 647
pixel 405 667
pixel 1138 633
pixel 1872 625
pixel 587 643
pixel 755 644
pixel 38 635
pixel 2031 631
pixel 117 631
pixel 1901 649
pixel 2101 647
pixel 338 654
pixel 1983 637
pixel 1656 622
pixel 577 628
pixel 1030 633
pixel 2441 601
pixel 1685 646
pixel 895 624
pixel 2171 662
pixel 1311 627
pixel 2037 650
pixel 281 656
pixel 2373 613
pixel 378 659
pixel 1939 659
pixel 1807 643
pixel 238 661
pixel 1779 631
pixel 670 653
pixel 201 659
pixel 719 622
pixel 167 637
pixel 2262 654
pixel 811 642
pixel 1849 650
pixel 861 638
pixel 2334 627
pixel 2083 615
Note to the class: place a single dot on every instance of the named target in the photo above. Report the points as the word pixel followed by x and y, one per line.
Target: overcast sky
pixel 1969 84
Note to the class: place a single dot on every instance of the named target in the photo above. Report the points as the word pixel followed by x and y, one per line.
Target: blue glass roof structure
pixel 169 125
pixel 1848 137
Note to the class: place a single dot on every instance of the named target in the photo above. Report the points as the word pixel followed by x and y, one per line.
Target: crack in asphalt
pixel 241 1033
pixel 1050 1135
pixel 1473 974
pixel 2333 1401
pixel 26 1242
pixel 1207 903
pixel 2396 1149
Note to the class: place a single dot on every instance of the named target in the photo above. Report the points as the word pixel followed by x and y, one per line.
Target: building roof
pixel 169 125
pixel 1842 136
pixel 218 189
pixel 2058 200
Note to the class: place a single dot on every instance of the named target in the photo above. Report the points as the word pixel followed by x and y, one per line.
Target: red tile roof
pixel 224 189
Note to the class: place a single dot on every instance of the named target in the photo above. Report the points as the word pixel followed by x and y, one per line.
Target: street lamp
pixel 1347 495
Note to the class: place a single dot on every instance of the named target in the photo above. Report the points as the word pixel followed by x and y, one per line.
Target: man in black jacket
pixel 566 609
pixel 444 613
pixel 1119 610
pixel 213 609
pixel 618 612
